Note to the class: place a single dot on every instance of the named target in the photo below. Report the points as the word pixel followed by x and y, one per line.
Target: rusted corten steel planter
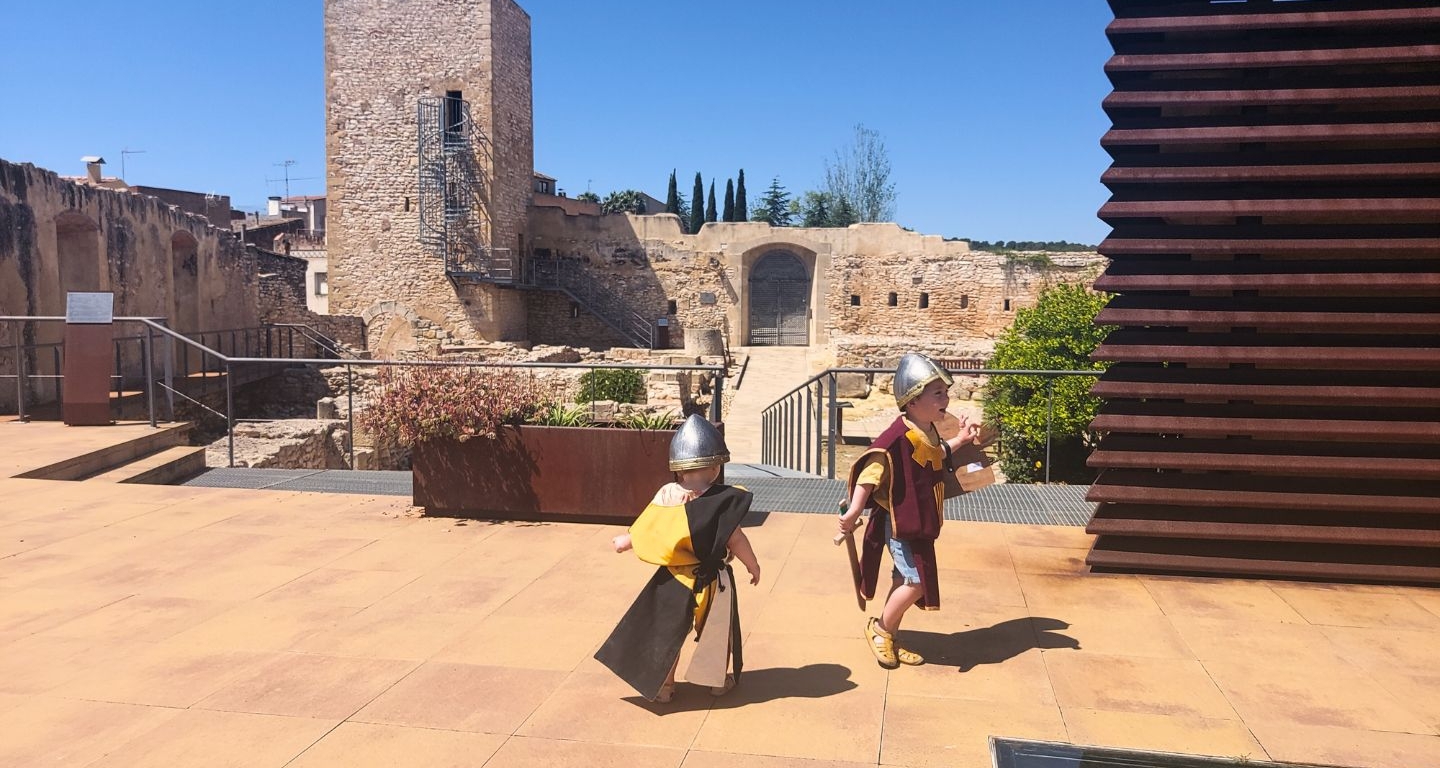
pixel 1273 407
pixel 587 474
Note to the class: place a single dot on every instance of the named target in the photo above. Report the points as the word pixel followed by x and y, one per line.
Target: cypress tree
pixel 742 211
pixel 697 205
pixel 710 203
pixel 672 196
pixel 729 213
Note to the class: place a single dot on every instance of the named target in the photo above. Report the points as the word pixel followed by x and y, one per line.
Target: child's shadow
pixel 813 681
pixel 989 645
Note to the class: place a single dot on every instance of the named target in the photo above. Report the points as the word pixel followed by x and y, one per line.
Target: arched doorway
pixel 77 247
pixel 779 301
pixel 184 283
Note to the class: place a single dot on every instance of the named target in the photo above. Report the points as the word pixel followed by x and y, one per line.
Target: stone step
pixel 166 467
pixel 110 457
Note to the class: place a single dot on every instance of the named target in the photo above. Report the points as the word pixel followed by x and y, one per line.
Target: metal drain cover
pixel 1014 753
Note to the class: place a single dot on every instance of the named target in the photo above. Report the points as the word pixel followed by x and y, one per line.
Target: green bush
pixel 1058 334
pixel 623 385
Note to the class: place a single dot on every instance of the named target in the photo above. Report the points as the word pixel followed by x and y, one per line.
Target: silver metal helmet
pixel 697 444
pixel 914 372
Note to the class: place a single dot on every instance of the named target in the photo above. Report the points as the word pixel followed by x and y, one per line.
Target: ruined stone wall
pixel 969 296
pixel 58 236
pixel 551 322
pixel 380 59
pixel 284 286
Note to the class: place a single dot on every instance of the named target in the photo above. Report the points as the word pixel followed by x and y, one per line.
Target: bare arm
pixel 858 499
pixel 621 542
pixel 739 545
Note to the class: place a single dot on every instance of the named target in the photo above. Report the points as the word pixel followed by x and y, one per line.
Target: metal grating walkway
pixel 776 490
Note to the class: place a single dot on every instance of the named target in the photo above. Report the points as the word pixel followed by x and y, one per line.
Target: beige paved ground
pixel 771 373
pixel 163 626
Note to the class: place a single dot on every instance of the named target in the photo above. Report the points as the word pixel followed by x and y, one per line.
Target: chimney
pixel 92 167
pixel 274 208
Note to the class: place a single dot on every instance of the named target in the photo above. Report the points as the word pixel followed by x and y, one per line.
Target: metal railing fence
pixel 215 365
pixel 802 429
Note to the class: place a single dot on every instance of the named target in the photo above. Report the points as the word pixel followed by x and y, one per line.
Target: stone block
pixel 856 385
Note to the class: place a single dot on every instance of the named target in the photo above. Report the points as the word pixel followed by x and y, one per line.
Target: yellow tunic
pixel 661 536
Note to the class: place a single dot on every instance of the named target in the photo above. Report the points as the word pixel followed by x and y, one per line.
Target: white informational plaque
pixel 89 308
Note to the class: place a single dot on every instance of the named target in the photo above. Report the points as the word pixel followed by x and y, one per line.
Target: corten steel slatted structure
pixel 1273 406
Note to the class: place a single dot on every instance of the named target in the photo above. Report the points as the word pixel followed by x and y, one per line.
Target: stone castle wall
pixel 969 296
pixel 58 236
pixel 380 59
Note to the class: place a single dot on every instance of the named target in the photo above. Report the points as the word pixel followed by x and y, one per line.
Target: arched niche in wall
pixel 77 253
pixel 184 283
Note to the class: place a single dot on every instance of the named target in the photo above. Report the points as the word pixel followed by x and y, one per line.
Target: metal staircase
pixel 455 221
pixel 453 200
pixel 568 277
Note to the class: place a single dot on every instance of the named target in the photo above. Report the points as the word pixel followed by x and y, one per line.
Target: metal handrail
pixel 229 361
pixel 564 274
pixel 798 431
pixel 333 346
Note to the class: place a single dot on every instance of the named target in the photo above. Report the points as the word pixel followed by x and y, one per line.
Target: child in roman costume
pixel 690 530
pixel 901 478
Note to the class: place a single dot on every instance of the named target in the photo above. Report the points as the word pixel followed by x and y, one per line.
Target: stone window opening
pixel 893 300
pixel 574 310
pixel 1007 305
pixel 670 307
pixel 322 284
pixel 854 299
pixel 964 301
pixel 924 301
pixel 407 205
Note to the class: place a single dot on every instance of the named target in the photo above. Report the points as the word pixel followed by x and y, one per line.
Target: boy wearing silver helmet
pixel 901 478
pixel 690 530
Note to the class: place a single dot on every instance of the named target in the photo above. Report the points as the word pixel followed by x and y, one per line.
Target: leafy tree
pixel 774 207
pixel 588 196
pixel 684 212
pixel 742 210
pixel 816 209
pixel 861 174
pixel 710 214
pixel 672 196
pixel 728 214
pixel 623 201
pixel 697 205
pixel 844 214
pixel 1058 333
pixel 760 213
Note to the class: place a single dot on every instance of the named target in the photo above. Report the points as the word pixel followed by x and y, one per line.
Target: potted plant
pixel 500 444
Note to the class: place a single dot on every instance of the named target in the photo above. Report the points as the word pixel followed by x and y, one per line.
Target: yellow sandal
pixel 881 644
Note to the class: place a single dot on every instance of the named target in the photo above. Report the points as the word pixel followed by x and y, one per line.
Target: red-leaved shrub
pixel 434 403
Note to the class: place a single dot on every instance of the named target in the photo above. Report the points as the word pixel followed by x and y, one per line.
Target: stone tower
pixel 428 114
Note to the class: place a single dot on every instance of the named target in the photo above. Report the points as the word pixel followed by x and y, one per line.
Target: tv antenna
pixel 125 152
pixel 288 178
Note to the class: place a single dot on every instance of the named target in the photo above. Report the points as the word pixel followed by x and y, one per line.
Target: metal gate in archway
pixel 779 301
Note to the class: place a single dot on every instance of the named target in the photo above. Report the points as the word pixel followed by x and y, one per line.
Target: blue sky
pixel 990 109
